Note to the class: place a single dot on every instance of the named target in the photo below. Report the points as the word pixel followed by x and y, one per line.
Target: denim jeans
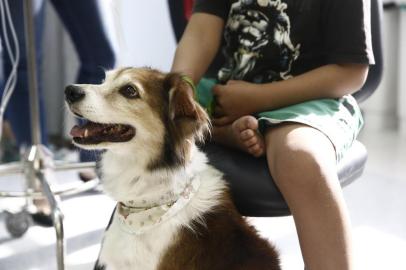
pixel 84 24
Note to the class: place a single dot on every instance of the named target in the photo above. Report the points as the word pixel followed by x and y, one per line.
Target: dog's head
pixel 138 111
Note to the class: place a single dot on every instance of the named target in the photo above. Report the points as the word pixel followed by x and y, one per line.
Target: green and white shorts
pixel 339 119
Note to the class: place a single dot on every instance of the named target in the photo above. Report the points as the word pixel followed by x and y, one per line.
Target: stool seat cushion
pixel 253 189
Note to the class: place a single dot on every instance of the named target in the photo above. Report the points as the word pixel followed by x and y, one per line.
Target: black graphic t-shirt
pixel 272 40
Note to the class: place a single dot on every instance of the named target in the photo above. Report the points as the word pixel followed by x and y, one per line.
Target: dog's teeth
pixel 86 133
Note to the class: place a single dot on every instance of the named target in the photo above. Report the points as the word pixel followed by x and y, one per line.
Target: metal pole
pixel 29 22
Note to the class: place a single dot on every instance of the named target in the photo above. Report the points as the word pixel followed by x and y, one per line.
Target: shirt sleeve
pixel 346 30
pixel 218 8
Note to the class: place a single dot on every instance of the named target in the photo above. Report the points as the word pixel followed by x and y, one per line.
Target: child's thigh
pixel 295 149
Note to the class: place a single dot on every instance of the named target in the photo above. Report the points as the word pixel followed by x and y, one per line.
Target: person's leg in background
pixel 18 109
pixel 85 26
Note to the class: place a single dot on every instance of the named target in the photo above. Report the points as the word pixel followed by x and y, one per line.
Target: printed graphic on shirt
pixel 258 42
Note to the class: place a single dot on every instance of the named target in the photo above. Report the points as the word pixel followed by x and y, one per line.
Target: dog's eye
pixel 129 91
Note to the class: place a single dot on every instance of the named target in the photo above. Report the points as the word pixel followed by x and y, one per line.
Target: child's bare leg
pixel 242 134
pixel 302 162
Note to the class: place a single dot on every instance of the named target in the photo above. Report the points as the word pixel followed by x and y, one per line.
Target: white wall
pixel 386 108
pixel 145 34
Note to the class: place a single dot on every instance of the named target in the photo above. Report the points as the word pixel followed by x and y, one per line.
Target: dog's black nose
pixel 74 94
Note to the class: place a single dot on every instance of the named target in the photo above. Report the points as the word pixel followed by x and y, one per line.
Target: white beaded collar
pixel 138 220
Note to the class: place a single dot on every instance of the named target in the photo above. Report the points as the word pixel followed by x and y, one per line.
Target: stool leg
pixel 57 218
pixel 60 239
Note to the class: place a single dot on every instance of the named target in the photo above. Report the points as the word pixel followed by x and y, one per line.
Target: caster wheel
pixel 17 223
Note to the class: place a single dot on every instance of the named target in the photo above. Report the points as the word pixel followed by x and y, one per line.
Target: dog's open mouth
pixel 95 133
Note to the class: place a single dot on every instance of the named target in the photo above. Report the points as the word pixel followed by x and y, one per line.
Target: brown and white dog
pixel 174 210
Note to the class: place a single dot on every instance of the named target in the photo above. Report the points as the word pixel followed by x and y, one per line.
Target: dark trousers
pixel 85 27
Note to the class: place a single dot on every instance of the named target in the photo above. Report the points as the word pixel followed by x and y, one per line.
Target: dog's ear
pixel 184 112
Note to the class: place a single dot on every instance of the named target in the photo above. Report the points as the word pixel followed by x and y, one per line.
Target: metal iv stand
pixel 37 165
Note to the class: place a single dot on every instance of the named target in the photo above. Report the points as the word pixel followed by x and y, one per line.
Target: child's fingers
pixel 231 82
pixel 219 111
pixel 217 89
pixel 221 121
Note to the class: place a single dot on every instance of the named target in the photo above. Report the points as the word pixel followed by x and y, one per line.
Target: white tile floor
pixel 377 204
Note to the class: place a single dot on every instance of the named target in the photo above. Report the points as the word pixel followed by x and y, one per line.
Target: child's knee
pixel 299 155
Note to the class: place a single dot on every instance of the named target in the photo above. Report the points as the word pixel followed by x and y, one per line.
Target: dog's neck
pixel 127 180
pixel 137 217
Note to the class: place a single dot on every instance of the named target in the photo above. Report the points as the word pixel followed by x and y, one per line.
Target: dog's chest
pixel 122 251
pixel 125 251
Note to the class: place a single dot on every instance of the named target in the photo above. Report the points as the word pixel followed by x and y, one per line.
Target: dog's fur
pixel 208 233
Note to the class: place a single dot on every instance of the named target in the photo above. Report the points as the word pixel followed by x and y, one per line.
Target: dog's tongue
pixel 77 131
pixel 87 130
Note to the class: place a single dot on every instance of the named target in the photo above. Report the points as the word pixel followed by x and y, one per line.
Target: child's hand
pixel 233 101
